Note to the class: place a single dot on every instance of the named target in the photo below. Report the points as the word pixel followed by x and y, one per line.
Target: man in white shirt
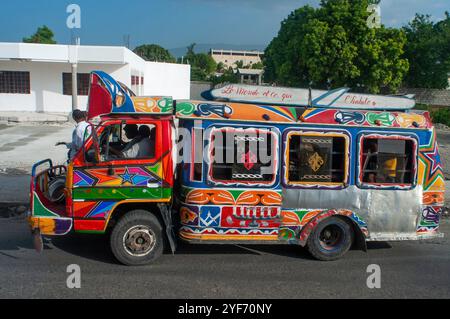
pixel 80 133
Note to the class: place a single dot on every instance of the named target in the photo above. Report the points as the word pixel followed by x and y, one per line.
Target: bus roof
pixel 223 111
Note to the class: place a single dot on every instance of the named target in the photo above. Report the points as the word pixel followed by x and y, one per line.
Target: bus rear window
pixel 387 161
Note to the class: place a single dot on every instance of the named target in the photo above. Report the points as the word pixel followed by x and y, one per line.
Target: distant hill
pixel 205 47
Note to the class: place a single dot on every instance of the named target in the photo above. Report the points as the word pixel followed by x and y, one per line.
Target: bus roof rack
pixel 340 98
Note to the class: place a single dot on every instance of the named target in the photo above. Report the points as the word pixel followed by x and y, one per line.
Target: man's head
pixel 78 116
pixel 131 131
pixel 144 131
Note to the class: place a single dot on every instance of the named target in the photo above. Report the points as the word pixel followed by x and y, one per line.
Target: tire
pixel 137 238
pixel 330 239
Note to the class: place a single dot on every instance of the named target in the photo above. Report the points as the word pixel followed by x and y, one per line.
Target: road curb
pixel 33 119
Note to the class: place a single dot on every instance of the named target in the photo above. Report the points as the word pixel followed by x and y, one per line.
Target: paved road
pixel 23 145
pixel 409 270
pixel 20 147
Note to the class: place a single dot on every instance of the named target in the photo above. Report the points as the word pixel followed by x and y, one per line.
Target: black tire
pixel 330 239
pixel 137 238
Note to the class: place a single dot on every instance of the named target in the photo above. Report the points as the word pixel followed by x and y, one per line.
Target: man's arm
pixel 132 152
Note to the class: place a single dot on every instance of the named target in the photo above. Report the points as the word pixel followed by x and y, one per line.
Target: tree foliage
pixel 203 65
pixel 228 76
pixel 43 35
pixel 428 52
pixel 332 46
pixel 154 52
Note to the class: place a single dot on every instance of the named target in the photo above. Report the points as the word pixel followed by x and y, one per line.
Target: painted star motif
pixel 434 158
pixel 127 177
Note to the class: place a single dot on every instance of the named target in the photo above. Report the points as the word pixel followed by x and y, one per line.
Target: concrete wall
pixel 47 63
pixel 198 87
pixel 229 57
pixel 429 96
pixel 47 86
pixel 167 79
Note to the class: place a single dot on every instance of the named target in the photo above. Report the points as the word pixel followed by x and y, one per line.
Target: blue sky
pixel 176 23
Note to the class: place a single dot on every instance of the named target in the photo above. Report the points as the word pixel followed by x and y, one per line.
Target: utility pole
pixel 74 63
pixel 74 22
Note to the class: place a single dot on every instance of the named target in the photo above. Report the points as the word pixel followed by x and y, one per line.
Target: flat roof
pixel 243 52
pixel 250 71
pixel 67 53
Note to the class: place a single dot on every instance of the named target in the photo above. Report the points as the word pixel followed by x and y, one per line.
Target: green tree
pixel 203 65
pixel 154 52
pixel 428 52
pixel 258 66
pixel 332 46
pixel 205 62
pixel 239 64
pixel 43 35
pixel 228 76
pixel 220 67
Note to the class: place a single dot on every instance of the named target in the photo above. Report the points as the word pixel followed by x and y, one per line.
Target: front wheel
pixel 331 239
pixel 137 238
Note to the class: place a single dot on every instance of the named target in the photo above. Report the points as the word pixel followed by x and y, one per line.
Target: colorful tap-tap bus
pixel 241 173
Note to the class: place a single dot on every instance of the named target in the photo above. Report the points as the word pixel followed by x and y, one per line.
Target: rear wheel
pixel 137 238
pixel 331 239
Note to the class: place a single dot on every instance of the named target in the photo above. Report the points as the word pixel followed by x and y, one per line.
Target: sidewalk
pixel 33 117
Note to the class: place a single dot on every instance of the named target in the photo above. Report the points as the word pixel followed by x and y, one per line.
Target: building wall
pixel 46 84
pixel 46 94
pixel 167 79
pixel 229 58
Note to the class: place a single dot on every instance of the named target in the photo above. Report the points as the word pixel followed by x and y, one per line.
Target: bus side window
pixel 246 156
pixel 387 161
pixel 317 159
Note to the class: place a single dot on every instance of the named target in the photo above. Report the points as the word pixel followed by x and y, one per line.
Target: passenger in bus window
pixel 371 162
pixel 147 143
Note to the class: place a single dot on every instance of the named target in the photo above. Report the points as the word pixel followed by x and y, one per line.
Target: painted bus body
pixel 279 207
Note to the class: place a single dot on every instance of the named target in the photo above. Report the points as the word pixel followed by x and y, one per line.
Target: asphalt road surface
pixel 408 270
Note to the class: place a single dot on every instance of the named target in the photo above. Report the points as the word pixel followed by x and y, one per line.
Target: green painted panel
pixel 121 193
pixel 39 210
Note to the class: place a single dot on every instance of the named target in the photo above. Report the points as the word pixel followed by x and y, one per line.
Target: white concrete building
pixel 230 57
pixel 37 77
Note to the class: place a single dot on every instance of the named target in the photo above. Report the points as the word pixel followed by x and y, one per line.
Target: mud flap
pixel 167 217
pixel 38 242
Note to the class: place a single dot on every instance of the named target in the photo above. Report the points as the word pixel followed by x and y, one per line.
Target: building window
pixel 83 80
pixel 13 82
pixel 387 161
pixel 318 159
pixel 243 156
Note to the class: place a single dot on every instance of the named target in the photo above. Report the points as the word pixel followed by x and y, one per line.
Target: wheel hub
pixel 139 241
pixel 331 236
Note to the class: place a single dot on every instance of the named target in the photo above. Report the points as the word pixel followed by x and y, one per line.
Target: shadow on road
pixel 92 247
pixel 97 248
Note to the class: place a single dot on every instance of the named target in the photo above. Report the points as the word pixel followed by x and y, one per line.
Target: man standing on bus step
pixel 81 131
